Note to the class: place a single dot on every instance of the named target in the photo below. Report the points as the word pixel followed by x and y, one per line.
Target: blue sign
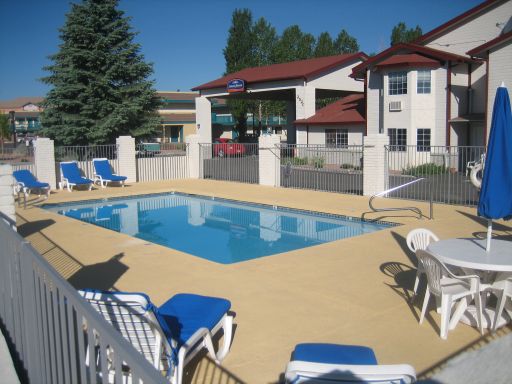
pixel 236 85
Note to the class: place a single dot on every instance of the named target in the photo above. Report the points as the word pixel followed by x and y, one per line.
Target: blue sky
pixel 184 39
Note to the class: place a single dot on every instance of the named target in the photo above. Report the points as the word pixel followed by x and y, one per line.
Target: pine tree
pixel 99 79
pixel 324 45
pixel 401 34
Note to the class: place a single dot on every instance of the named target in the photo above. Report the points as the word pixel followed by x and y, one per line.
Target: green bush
pixel 318 162
pixel 425 170
pixel 299 160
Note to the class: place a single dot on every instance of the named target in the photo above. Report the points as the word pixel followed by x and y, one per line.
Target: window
pixel 336 138
pixel 423 85
pixel 397 83
pixel 397 139
pixel 423 140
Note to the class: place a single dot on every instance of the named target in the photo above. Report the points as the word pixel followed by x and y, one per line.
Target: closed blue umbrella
pixel 496 193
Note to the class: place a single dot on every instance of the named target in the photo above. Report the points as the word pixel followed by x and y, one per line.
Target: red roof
pixel 481 50
pixel 348 110
pixel 458 20
pixel 409 60
pixel 399 50
pixel 302 69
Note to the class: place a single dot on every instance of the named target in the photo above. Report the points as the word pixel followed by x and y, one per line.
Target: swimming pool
pixel 219 230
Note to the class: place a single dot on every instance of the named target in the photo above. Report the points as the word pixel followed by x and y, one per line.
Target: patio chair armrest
pixel 332 372
pixel 197 336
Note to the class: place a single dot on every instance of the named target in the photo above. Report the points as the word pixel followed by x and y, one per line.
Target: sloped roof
pixel 302 69
pixel 178 117
pixel 177 95
pixel 456 21
pixel 481 50
pixel 348 110
pixel 401 49
pixel 408 60
pixel 20 102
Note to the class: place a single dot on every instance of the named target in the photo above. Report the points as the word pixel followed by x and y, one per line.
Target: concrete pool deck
pixel 351 291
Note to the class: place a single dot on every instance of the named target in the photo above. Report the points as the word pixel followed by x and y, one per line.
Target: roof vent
pixel 395 106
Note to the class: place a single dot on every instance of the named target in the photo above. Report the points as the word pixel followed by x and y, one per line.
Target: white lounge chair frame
pixel 64 182
pixel 99 179
pixel 308 372
pixel 129 315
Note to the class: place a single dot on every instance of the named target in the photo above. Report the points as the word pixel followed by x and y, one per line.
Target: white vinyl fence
pixel 162 161
pixel 53 330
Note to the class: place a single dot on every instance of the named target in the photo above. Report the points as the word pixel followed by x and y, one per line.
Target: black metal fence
pixel 230 162
pixel 446 171
pixel 322 168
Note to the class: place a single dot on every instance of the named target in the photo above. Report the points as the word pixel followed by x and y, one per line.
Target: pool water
pixel 223 231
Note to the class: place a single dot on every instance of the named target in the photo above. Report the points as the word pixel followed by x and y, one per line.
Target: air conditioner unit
pixel 395 106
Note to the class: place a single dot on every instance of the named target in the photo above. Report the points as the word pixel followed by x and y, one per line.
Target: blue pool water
pixel 219 230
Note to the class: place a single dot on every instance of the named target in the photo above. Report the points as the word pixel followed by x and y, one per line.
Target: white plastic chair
pixel 419 238
pixel 441 282
pixel 502 288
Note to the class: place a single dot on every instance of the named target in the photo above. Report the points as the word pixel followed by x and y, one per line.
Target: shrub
pixel 299 160
pixel 318 162
pixel 425 170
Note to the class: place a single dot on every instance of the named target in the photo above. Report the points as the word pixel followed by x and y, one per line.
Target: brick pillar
pixel 126 158
pixel 44 159
pixel 269 160
pixel 6 191
pixel 193 156
pixel 375 177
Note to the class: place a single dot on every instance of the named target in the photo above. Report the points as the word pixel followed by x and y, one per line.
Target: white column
pixel 6 191
pixel 204 119
pixel 374 168
pixel 126 158
pixel 44 159
pixel 193 156
pixel 269 160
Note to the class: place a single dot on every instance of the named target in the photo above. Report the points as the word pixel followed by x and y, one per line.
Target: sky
pixel 184 39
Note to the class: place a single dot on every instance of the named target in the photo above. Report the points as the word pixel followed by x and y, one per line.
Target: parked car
pixel 227 147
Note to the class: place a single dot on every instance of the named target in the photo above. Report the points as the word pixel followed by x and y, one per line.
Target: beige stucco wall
pixel 474 32
pixel 316 134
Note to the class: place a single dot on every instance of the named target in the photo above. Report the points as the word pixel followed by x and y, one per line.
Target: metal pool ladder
pixel 412 209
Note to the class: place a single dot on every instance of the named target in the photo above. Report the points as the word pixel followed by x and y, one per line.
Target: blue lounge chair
pixel 171 335
pixel 334 363
pixel 26 182
pixel 70 176
pixel 103 173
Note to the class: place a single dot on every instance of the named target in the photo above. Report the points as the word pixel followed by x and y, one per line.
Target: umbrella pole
pixel 489 235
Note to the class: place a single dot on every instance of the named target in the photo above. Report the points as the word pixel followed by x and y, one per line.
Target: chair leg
pixel 446 305
pixel 479 317
pixel 502 298
pixel 425 305
pixel 416 283
pixel 227 328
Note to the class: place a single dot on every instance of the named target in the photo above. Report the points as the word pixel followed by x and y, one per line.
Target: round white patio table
pixel 470 253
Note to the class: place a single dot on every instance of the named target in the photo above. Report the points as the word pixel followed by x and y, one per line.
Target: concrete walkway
pixel 351 291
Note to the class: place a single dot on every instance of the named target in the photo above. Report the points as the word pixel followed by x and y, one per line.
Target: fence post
pixel 126 158
pixel 269 160
pixel 44 159
pixel 6 192
pixel 375 170
pixel 193 156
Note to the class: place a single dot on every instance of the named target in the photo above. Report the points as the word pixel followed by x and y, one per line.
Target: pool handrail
pixel 412 209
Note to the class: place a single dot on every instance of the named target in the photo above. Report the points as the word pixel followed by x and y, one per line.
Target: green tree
pixel 345 43
pixel 239 55
pixel 324 45
pixel 99 79
pixel 402 34
pixel 5 131
pixel 265 40
pixel 294 45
